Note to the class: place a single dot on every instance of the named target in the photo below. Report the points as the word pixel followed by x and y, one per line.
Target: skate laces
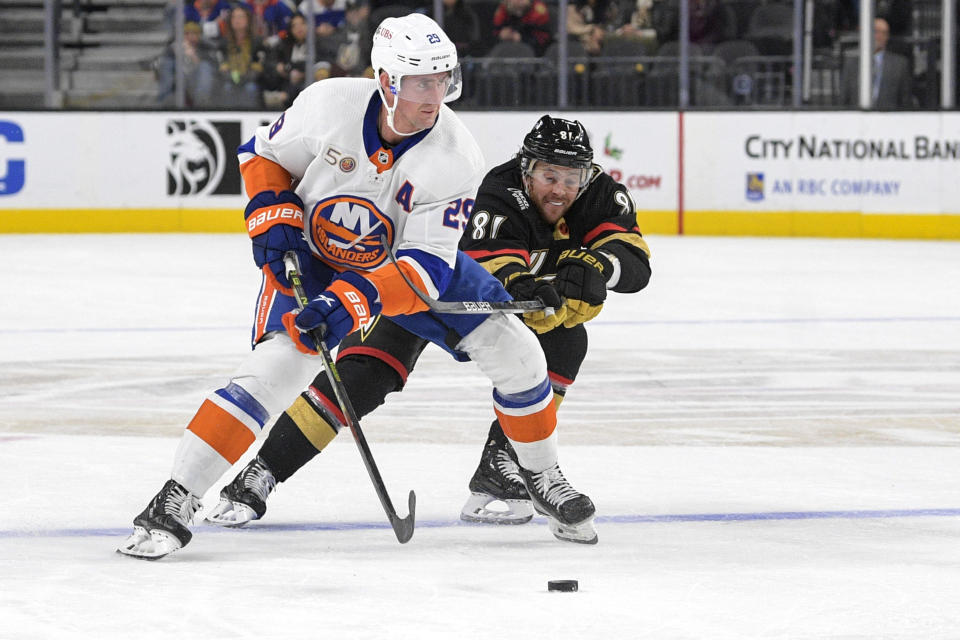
pixel 507 467
pixel 181 504
pixel 259 479
pixel 553 486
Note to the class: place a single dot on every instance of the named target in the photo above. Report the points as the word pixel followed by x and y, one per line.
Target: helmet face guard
pixel 434 88
pixel 419 60
pixel 559 142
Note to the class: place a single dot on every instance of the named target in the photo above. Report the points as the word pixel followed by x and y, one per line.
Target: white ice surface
pixel 770 432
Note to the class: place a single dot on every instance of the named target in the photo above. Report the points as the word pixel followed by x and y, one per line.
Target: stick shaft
pixel 402 527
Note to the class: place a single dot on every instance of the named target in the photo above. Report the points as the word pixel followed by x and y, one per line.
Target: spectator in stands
pixel 199 70
pixel 584 22
pixel 523 21
pixel 462 26
pixel 707 22
pixel 209 14
pixel 899 15
pixel 328 15
pixel 241 62
pixel 593 20
pixel 285 72
pixel 270 18
pixel 642 19
pixel 891 74
pixel 351 42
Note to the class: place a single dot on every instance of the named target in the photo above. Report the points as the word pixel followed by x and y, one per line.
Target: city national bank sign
pixel 812 147
pixel 822 162
pixel 885 163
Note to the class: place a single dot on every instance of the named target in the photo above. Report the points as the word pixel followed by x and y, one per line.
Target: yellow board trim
pixel 834 224
pixel 121 220
pixel 838 224
pixel 658 222
pixel 831 224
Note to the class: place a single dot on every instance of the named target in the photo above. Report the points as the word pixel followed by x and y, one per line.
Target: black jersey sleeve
pixel 611 227
pixel 497 234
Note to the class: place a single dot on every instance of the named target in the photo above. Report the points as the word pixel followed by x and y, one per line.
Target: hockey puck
pixel 562 585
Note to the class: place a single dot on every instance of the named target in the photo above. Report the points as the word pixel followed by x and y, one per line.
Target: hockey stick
pixel 466 306
pixel 402 527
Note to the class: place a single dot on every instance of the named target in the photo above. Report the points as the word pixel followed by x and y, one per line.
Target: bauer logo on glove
pixel 275 224
pixel 582 280
pixel 262 219
pixel 584 256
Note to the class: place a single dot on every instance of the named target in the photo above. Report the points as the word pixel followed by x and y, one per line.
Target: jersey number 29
pixel 457 214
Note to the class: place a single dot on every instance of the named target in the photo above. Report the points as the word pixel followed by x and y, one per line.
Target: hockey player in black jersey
pixel 549 224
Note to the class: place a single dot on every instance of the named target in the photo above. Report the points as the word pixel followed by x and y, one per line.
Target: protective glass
pixel 433 88
pixel 549 175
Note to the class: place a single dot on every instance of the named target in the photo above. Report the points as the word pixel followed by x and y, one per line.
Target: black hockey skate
pixel 245 498
pixel 569 512
pixel 497 480
pixel 161 528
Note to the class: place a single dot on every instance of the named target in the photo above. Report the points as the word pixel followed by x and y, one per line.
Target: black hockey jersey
pixel 505 228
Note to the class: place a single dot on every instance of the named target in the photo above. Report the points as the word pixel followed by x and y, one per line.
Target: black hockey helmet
pixel 558 141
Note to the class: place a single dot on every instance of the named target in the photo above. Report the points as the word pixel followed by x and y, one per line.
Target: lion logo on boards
pixel 346 231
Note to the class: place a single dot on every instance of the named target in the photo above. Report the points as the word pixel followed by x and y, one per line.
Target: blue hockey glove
pixel 349 302
pixel 275 224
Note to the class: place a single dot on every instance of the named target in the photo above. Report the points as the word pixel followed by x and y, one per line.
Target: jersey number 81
pixel 480 221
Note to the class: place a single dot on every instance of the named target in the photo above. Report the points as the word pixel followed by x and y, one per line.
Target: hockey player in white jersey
pixel 350 161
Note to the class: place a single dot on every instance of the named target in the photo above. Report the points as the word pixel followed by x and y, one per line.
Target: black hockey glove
pixel 525 286
pixel 582 279
pixel 275 224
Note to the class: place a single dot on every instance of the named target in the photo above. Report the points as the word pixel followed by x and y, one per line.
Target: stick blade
pixel 403 527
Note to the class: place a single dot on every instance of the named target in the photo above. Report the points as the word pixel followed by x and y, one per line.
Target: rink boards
pixel 780 174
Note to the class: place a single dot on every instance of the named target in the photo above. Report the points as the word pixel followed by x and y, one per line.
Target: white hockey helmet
pixel 415 45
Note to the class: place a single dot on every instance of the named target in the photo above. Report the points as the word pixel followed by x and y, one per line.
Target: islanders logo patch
pixel 346 231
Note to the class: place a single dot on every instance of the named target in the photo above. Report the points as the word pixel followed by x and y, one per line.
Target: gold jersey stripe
pixel 627 238
pixel 495 264
pixel 317 430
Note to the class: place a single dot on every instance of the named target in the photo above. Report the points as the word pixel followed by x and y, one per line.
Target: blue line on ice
pixel 708 321
pixel 439 524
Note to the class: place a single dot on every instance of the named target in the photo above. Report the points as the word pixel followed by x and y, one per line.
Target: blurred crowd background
pixel 619 54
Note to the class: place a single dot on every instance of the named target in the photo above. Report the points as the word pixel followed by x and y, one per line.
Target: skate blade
pixel 231 514
pixel 582 533
pixel 149 546
pixel 476 510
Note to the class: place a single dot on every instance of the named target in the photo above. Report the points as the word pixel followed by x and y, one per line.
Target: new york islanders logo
pixel 346 231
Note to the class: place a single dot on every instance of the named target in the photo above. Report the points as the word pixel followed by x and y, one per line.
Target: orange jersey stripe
pixel 532 428
pixel 260 174
pixel 395 295
pixel 228 436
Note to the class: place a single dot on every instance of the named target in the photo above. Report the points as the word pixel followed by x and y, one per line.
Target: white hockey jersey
pixel 419 193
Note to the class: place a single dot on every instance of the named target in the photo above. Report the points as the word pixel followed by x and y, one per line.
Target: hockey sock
pixel 537 456
pixel 529 420
pixel 224 427
pixel 314 419
pixel 288 447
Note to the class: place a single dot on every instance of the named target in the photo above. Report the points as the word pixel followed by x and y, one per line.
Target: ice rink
pixel 770 431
